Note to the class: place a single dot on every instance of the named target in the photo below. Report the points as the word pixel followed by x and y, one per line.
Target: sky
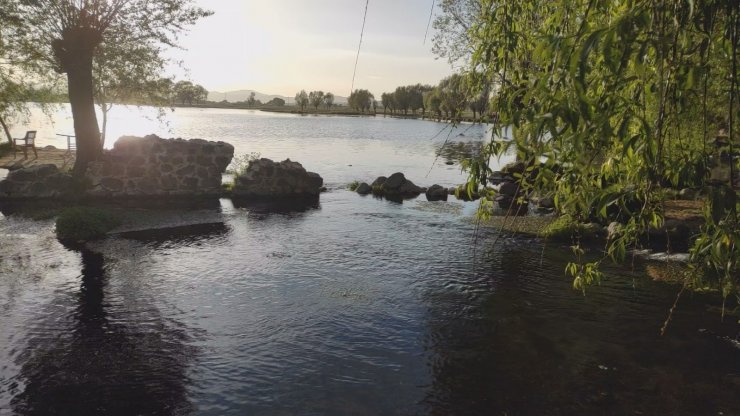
pixel 283 46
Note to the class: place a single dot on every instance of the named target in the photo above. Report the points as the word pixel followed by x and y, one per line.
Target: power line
pixel 362 32
pixel 431 12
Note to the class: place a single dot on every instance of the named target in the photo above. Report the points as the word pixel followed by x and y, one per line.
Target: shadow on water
pixel 179 234
pixel 280 206
pixel 105 364
pixel 515 347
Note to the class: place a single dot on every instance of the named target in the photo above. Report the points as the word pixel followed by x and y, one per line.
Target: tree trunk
pixel 81 100
pixel 74 51
pixel 7 131
pixel 104 108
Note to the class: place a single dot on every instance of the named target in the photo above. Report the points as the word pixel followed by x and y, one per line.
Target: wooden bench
pixel 25 142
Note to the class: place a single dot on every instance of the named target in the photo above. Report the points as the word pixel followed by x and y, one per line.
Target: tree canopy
pixel 360 100
pixel 68 36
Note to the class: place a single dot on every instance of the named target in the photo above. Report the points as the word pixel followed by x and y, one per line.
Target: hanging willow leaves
pixel 618 100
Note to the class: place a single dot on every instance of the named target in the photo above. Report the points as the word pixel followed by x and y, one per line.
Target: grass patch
pixel 529 225
pixel 353 185
pixel 85 223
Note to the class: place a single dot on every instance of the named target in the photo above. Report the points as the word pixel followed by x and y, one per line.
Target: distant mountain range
pixel 243 95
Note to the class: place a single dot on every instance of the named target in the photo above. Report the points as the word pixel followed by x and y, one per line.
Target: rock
pixel 496 178
pixel 394 182
pixel 364 189
pixel 436 193
pixel 613 230
pixel 267 179
pixel 546 202
pixel 508 189
pixel 408 188
pixel 511 205
pixel 674 235
pixel 39 181
pixel 514 167
pixel 461 193
pixel 397 184
pixel 687 193
pixel 379 181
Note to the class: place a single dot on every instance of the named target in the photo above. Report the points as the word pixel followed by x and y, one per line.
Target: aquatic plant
pixel 85 223
pixel 353 185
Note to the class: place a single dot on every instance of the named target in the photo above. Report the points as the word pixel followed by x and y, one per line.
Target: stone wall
pixel 158 167
pixel 267 179
pixel 135 167
pixel 39 181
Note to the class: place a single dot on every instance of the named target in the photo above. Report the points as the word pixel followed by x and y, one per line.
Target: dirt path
pixel 62 158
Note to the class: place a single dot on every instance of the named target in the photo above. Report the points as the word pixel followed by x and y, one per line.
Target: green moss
pixel 353 185
pixel 565 228
pixel 84 223
pixel 529 225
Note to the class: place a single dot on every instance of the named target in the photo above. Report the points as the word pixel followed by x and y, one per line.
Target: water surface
pixel 352 305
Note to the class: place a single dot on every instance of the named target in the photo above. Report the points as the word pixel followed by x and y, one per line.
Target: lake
pixel 353 306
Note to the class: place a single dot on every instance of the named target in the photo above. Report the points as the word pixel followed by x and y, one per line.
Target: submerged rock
pixel 364 189
pixel 436 193
pixel 267 179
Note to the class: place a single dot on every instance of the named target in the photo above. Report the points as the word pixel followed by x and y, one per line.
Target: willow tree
pixel 618 98
pixel 67 35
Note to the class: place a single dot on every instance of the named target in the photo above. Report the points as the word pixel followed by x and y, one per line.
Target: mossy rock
pixel 566 228
pixel 85 223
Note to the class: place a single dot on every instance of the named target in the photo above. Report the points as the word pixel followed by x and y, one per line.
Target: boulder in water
pixel 436 193
pixel 267 179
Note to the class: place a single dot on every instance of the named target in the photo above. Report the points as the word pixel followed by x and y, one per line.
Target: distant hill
pixel 243 95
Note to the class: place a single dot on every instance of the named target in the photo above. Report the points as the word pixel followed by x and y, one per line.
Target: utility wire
pixel 362 32
pixel 431 12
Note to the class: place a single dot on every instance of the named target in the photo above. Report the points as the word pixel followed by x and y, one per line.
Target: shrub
pixel 84 223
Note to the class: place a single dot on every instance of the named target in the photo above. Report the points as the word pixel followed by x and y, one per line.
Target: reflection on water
pixel 103 363
pixel 286 206
pixel 363 307
pixel 527 345
pixel 457 151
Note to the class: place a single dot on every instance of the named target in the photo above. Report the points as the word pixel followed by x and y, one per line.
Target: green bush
pixel 84 223
pixel 353 185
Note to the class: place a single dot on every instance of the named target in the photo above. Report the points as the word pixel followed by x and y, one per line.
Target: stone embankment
pixel 136 167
